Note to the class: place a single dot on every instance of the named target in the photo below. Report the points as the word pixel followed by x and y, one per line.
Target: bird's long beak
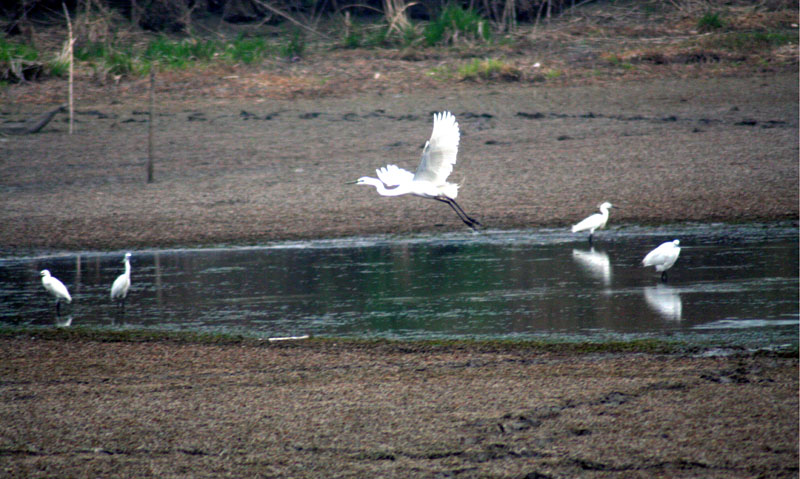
pixel 351 182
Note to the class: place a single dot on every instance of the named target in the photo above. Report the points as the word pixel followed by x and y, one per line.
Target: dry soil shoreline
pixel 713 149
pixel 337 409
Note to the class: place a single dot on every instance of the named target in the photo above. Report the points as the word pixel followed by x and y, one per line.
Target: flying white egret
pixel 56 288
pixel 429 181
pixel 595 221
pixel 663 257
pixel 119 290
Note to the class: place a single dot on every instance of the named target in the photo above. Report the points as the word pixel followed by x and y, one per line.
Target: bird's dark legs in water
pixel 590 238
pixel 664 276
pixel 58 307
pixel 472 223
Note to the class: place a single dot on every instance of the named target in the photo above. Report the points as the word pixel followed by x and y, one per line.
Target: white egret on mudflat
pixel 663 257
pixel 595 221
pixel 119 290
pixel 56 288
pixel 429 181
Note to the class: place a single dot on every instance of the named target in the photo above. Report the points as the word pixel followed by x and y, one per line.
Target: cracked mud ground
pixel 83 408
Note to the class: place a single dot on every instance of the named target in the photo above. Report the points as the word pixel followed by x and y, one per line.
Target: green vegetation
pixel 489 68
pixel 294 46
pixel 378 35
pixel 180 54
pixel 709 21
pixel 16 51
pixel 455 24
pixel 619 62
pixel 645 346
pixel 247 50
pixel 121 52
pixel 745 42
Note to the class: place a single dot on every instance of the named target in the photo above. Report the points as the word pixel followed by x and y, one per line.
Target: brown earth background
pixel 231 171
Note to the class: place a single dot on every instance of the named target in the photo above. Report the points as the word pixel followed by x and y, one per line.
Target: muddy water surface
pixel 731 284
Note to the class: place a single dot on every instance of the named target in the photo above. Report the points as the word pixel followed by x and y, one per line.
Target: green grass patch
pixel 295 46
pixel 456 24
pixel 16 51
pixel 171 54
pixel 637 346
pixel 747 42
pixel 710 21
pixel 180 54
pixel 247 50
pixel 58 68
pixel 489 69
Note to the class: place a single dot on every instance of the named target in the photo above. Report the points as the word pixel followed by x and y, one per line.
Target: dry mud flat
pixel 249 172
pixel 321 409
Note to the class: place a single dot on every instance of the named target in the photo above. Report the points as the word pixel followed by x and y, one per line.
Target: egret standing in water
pixel 119 290
pixel 429 181
pixel 56 288
pixel 595 221
pixel 663 257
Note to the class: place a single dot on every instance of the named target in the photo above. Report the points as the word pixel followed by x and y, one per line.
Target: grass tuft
pixel 709 22
pixel 247 50
pixel 489 69
pixel 456 24
pixel 748 42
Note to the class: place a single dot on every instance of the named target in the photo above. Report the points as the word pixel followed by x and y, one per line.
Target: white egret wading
pixel 594 222
pixel 119 290
pixel 56 288
pixel 429 181
pixel 663 257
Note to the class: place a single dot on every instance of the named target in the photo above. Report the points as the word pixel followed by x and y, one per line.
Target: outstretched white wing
pixel 392 175
pixel 439 154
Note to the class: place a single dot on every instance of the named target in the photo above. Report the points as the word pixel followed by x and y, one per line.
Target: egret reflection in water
pixel 517 284
pixel 596 263
pixel 664 300
pixel 64 322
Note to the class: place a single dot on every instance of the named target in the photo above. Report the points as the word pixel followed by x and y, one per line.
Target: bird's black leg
pixel 590 239
pixel 58 308
pixel 472 220
pixel 472 223
pixel 664 276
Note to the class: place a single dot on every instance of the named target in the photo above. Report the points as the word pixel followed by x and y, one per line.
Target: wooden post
pixel 70 43
pixel 150 125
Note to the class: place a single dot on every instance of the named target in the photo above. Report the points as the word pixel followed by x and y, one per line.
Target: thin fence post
pixel 150 125
pixel 70 43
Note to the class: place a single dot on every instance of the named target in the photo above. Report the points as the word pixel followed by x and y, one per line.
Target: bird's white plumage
pixel 430 179
pixel 664 256
pixel 441 151
pixel 119 289
pixel 392 175
pixel 55 287
pixel 595 221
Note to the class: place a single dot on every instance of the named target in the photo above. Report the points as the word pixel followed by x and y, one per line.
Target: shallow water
pixel 731 285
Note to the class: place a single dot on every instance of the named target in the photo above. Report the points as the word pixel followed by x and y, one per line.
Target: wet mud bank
pixel 338 409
